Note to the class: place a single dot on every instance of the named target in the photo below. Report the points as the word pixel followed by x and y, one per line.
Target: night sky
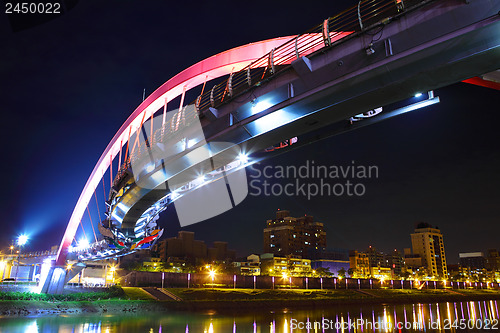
pixel 67 86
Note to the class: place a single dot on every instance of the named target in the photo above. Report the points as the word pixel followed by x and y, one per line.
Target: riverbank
pixel 136 300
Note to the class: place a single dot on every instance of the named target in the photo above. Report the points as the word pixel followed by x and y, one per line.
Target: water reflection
pixel 434 317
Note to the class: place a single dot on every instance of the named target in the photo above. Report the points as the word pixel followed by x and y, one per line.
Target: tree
pixel 323 272
pixel 405 274
pixel 341 273
pixel 291 267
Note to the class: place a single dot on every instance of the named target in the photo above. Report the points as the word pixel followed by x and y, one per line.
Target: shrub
pixel 112 292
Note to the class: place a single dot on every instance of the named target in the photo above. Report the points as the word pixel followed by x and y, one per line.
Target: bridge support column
pixel 52 278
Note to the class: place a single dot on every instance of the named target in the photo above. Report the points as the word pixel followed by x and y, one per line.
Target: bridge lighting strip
pixel 418 105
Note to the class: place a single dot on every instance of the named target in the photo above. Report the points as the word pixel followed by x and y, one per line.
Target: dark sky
pixel 68 85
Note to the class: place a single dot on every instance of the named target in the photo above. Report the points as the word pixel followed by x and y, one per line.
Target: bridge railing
pixel 334 29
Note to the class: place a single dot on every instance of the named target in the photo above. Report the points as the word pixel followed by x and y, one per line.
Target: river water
pixel 476 316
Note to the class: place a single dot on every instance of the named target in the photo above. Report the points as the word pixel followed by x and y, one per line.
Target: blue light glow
pixel 83 243
pixel 243 158
pixel 259 106
pixel 22 240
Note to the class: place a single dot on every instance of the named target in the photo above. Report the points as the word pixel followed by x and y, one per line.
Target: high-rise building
pixel 290 265
pixel 472 260
pixel 427 242
pixel 286 235
pixel 375 263
pixel 184 246
pixel 493 260
pixel 359 263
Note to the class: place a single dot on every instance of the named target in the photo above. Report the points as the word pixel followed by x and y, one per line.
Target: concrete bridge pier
pixel 53 277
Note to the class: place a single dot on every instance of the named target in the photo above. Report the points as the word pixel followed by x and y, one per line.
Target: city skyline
pixel 437 165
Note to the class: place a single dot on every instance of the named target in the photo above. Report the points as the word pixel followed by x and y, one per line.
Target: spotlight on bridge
pixel 258 106
pixel 174 195
pixel 83 244
pixel 191 143
pixel 369 50
pixel 243 158
pixel 418 95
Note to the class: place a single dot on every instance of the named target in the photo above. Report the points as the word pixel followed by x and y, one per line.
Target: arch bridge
pixel 371 62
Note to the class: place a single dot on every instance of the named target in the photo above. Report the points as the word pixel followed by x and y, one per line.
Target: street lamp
pixel 21 241
pixel 113 270
pixel 212 275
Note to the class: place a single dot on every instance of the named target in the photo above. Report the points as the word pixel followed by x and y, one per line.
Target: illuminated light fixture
pixel 258 106
pixel 174 195
pixel 200 179
pixel 273 120
pixel 191 143
pixel 243 158
pixel 68 267
pixel 369 50
pixel 22 240
pixel 368 114
pixel 150 167
pixel 83 243
pixel 418 105
pixel 418 95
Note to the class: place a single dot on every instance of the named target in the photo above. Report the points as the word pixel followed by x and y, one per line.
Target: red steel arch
pixel 210 68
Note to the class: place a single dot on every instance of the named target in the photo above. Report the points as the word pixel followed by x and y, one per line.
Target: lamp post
pixel 212 275
pixel 21 241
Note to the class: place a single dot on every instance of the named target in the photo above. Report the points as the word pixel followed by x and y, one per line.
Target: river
pixel 435 317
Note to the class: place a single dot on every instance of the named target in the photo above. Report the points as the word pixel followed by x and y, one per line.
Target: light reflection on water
pixel 435 317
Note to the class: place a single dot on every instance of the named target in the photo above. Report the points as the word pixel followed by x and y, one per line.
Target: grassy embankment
pixel 119 300
pixel 114 300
